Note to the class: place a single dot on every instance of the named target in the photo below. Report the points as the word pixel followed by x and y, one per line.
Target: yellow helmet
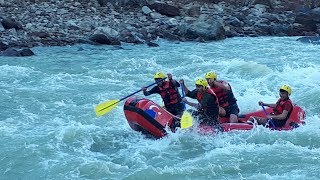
pixel 159 75
pixel 286 88
pixel 201 82
pixel 210 75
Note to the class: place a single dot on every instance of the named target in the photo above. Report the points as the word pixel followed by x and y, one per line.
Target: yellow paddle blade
pixel 105 107
pixel 186 120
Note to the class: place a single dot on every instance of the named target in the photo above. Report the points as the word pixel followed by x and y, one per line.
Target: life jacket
pixel 169 93
pixel 225 98
pixel 280 107
pixel 214 108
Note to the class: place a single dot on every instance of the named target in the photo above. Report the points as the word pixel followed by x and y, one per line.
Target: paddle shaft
pixel 141 89
pixel 270 120
pixel 131 94
pixel 183 94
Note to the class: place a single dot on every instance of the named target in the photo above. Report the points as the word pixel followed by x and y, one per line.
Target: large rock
pixel 3 46
pixel 203 30
pixel 194 11
pixel 315 14
pixel 1 27
pixel 26 52
pixel 307 21
pixel 310 39
pixel 9 23
pixel 165 9
pixel 279 29
pixel 17 53
pixel 152 44
pixel 104 39
pixel 122 3
pixel 146 10
pixel 264 2
pixel 11 52
pixel 102 2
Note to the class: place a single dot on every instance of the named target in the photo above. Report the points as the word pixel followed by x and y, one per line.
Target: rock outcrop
pixel 29 23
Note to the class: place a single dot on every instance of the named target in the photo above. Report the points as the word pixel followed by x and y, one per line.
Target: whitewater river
pixel 48 129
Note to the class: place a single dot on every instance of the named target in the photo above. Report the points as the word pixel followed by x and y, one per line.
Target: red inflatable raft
pixel 145 116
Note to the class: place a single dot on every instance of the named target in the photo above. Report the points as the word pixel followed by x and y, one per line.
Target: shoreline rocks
pixel 30 23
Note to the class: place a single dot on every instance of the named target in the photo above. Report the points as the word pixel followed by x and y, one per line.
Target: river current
pixel 49 130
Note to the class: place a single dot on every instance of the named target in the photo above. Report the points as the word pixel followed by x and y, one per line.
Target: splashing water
pixel 49 129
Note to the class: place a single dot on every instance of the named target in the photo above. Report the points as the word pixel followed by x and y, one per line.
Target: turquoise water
pixel 49 130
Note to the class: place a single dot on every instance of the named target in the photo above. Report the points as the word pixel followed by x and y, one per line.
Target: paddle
pixel 183 95
pixel 270 120
pixel 106 107
pixel 186 118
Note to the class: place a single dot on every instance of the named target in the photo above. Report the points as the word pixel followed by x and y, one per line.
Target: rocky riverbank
pixel 29 23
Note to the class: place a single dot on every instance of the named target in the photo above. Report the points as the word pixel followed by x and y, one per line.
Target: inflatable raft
pixel 145 116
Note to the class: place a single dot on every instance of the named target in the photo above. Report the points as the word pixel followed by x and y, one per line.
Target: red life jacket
pixel 215 109
pixel 225 98
pixel 169 93
pixel 280 105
